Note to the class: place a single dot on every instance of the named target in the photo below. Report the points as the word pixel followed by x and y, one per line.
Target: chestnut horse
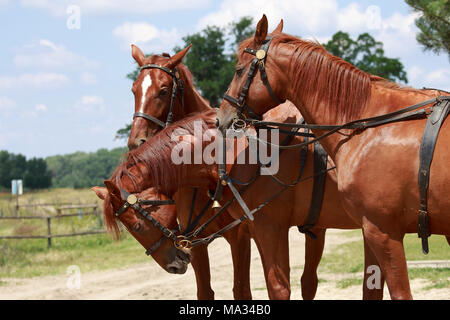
pixel 149 101
pixel 157 103
pixel 152 165
pixel 377 167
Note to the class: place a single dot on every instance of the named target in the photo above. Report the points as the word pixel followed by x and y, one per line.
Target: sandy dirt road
pixel 149 281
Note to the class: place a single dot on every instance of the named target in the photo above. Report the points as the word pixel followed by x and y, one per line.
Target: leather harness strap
pixel 132 201
pixel 434 122
pixel 320 174
pixel 176 83
pixel 240 103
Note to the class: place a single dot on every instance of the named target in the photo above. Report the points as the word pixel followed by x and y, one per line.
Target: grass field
pixel 349 258
pixel 29 258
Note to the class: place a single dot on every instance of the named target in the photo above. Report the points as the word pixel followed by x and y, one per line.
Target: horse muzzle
pixel 180 263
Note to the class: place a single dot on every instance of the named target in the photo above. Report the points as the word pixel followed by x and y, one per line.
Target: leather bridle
pixel 240 103
pixel 131 201
pixel 176 83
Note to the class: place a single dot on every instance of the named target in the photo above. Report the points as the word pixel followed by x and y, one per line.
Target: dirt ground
pixel 149 281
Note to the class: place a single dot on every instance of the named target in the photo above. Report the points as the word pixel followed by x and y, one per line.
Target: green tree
pixel 37 176
pixel 123 133
pixel 367 54
pixel 81 169
pixel 211 66
pixel 241 30
pixel 12 166
pixel 434 24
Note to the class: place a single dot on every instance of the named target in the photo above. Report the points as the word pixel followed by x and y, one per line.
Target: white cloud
pixel 46 54
pixel 40 80
pixel 415 73
pixel 299 15
pixel 439 79
pixel 351 18
pixel 321 19
pixel 90 103
pixel 40 107
pixel 398 34
pixel 146 36
pixel 100 7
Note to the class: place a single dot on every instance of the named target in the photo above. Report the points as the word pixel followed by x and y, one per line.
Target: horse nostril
pixel 217 122
pixel 172 270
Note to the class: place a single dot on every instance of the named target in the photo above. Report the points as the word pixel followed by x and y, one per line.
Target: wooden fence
pixel 59 215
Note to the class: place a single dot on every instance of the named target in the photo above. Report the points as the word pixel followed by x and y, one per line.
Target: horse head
pixel 158 94
pixel 158 244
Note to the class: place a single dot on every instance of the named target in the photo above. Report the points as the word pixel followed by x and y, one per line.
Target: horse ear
pixel 279 28
pixel 112 188
pixel 261 31
pixel 114 193
pixel 138 55
pixel 178 57
pixel 101 192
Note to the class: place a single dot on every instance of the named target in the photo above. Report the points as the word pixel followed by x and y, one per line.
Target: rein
pixel 176 83
pixel 225 179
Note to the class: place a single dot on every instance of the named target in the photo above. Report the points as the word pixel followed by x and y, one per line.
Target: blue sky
pixel 63 89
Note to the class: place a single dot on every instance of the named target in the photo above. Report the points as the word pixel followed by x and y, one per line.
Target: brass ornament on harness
pixel 260 54
pixel 132 199
pixel 216 204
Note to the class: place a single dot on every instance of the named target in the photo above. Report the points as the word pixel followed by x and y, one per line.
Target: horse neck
pixel 193 101
pixel 383 97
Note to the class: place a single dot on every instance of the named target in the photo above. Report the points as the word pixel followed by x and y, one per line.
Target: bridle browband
pixel 131 201
pixel 176 83
pixel 240 103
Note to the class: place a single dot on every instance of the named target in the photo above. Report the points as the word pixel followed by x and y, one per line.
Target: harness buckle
pixel 238 124
pixel 182 243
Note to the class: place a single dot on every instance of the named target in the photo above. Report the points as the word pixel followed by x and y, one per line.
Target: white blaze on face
pixel 146 83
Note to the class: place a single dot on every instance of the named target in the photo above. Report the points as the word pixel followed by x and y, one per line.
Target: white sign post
pixel 17 189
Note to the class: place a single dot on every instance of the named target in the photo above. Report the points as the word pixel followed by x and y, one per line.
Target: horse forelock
pixel 109 217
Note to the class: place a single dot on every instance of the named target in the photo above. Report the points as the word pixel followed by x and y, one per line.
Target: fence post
pixel 99 217
pixel 49 233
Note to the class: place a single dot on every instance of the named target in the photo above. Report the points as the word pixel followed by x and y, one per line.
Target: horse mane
pixel 324 79
pixel 151 164
pixel 109 218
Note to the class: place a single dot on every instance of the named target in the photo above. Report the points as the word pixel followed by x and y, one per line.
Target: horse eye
pixel 239 71
pixel 137 226
pixel 164 91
